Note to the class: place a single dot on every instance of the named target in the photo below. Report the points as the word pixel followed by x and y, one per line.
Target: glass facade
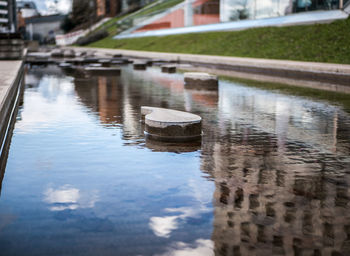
pixel 203 12
pixel 255 9
pixel 7 16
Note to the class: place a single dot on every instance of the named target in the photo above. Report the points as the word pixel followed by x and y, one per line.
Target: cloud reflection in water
pixel 200 248
pixel 163 226
pixel 67 197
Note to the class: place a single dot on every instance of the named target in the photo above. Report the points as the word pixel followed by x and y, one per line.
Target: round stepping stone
pixel 89 60
pixel 169 69
pixel 57 53
pixel 105 63
pixel 76 61
pixel 103 71
pixel 200 81
pixel 80 54
pixel 122 60
pixel 95 65
pixel 140 66
pixel 149 63
pixel 118 62
pixel 65 65
pixel 69 54
pixel 127 61
pixel 171 125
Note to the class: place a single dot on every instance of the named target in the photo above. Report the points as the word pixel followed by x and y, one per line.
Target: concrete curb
pixel 8 96
pixel 335 77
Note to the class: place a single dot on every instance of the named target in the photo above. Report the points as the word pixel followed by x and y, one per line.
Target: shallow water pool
pixel 270 177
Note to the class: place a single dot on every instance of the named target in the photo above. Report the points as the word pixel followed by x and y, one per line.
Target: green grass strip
pixel 319 43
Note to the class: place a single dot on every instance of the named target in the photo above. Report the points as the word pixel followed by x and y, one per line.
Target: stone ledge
pixel 297 72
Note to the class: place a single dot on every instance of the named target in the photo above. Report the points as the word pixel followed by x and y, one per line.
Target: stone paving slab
pixel 8 73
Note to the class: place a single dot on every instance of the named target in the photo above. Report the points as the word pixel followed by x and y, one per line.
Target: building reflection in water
pixel 280 164
pixel 283 190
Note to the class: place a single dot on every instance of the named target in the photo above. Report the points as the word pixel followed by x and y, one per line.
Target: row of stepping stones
pixel 164 125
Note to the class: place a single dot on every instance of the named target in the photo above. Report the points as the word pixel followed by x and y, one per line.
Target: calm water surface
pixel 271 176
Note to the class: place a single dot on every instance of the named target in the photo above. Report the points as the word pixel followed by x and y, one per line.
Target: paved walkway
pixel 8 75
pixel 209 59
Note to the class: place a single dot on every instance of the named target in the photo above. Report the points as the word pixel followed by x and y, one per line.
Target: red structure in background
pixel 108 8
pixel 204 12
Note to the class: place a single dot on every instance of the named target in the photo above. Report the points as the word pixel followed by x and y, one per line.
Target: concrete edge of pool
pixel 324 76
pixel 11 89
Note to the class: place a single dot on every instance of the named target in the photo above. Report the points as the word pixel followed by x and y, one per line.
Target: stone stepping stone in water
pixel 122 61
pixel 118 62
pixel 201 81
pixel 95 65
pixel 76 61
pixel 80 54
pixel 103 71
pixel 171 125
pixel 105 62
pixel 57 53
pixel 127 61
pixel 149 63
pixel 69 54
pixel 140 65
pixel 169 69
pixel 65 65
pixel 89 60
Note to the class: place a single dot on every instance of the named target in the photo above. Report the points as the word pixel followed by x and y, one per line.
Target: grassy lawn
pixel 320 43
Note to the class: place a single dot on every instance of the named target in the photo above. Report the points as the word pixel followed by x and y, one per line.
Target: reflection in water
pixel 68 197
pixel 271 175
pixel 158 146
pixel 162 226
pixel 200 247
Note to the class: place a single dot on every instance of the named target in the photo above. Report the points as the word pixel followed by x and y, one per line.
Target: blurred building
pixel 191 14
pixel 44 28
pixel 108 7
pixel 27 8
pixel 111 8
pixel 7 16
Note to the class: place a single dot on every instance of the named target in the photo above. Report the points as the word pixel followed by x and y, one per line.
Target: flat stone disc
pixel 171 125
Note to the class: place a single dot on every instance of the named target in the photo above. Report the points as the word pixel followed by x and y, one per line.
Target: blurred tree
pixel 83 11
pixel 67 24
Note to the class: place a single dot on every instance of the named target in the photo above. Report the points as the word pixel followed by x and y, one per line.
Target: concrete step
pixel 11 55
pixel 11 48
pixel 11 42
